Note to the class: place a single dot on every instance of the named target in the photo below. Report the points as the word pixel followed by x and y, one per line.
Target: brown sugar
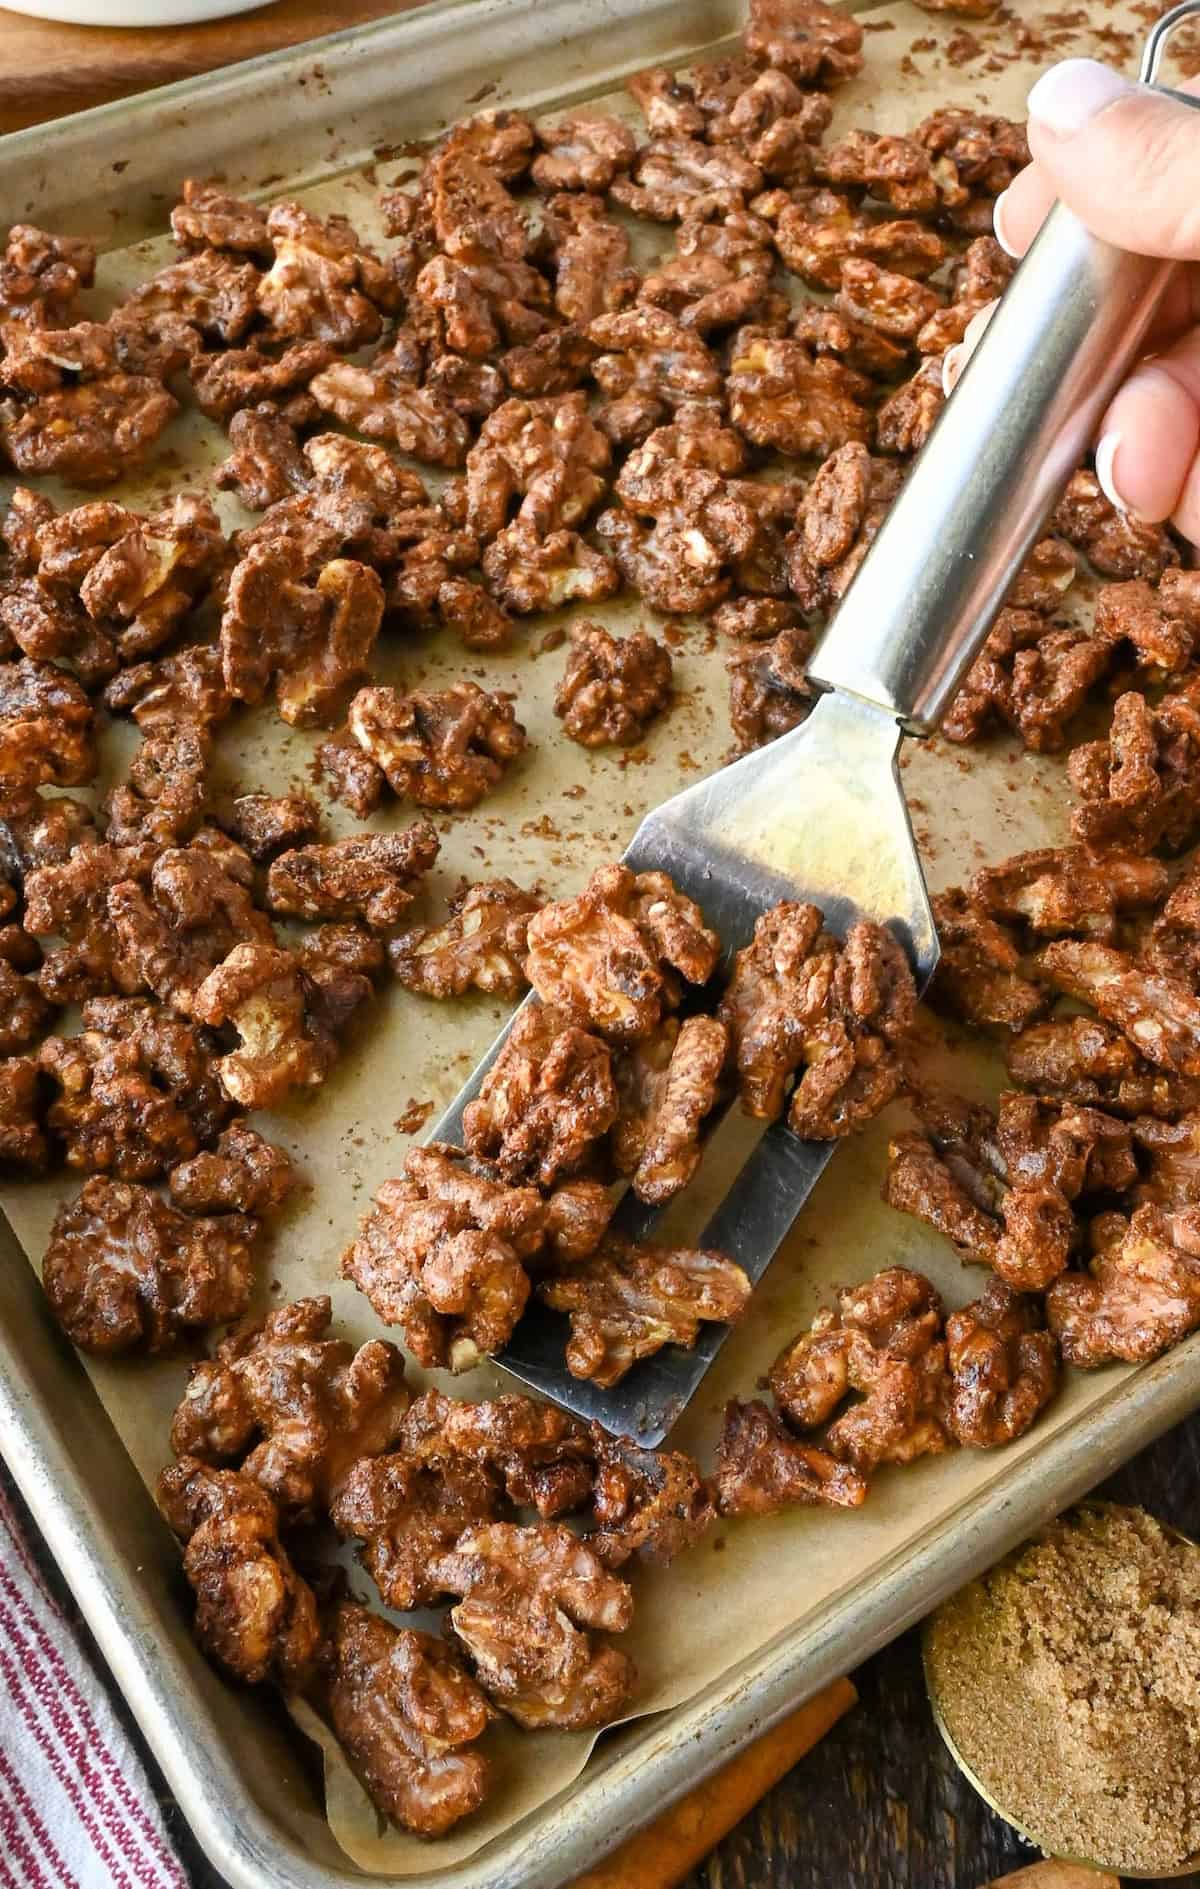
pixel 1069 1679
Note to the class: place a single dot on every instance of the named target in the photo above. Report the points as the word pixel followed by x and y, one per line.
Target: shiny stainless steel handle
pixel 1072 322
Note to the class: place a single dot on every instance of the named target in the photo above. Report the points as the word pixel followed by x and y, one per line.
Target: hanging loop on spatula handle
pixel 1072 322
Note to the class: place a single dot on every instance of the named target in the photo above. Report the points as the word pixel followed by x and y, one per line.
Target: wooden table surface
pixel 878 1804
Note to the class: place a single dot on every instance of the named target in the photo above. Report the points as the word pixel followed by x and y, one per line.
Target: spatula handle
pixel 1072 322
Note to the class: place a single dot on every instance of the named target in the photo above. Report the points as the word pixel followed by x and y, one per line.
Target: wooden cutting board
pixel 47 69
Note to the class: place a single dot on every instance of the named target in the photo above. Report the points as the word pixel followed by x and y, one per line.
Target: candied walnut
pixel 1116 544
pixel 123 1271
pixel 797 1000
pixel 1003 1368
pixel 445 748
pixel 703 523
pixel 818 232
pixel 124 1102
pixel 606 957
pixel 67 899
pixel 479 304
pixel 719 275
pixel 1034 678
pixel 863 348
pixel 68 408
pixel 907 417
pixel 836 524
pixel 896 170
pixel 254 1614
pixel 408 1517
pixel 1172 1151
pixel 279 1010
pixel 649 365
pixel 558 361
pixel 441 1257
pixel 405 1712
pixel 547 453
pixel 1159 1012
pixel 52 628
pixel 500 140
pixel 267 824
pixel 884 1342
pixel 1174 942
pixel 46 732
pixel 675 178
pixel 584 151
pixel 926 1183
pixel 762 1468
pixel 207 217
pixel 23 1144
pixel 755 619
pixel 374 878
pixel 1045 577
pixel 244 1173
pixel 981 277
pixel 884 299
pixel 612 687
pixel 163 796
pixel 529 1597
pixel 324 284
pixel 1141 1293
pixel 41 276
pixel 980 153
pixel 350 499
pixel 481 946
pixel 212 292
pixel 164 694
pixel 779 396
pixel 805 38
pixel 24 1011
pixel 979 975
pixel 667 1084
pixel 1160 626
pixel 528 573
pixel 1138 787
pixel 196 907
pixel 667 103
pixel 1063 889
pixel 351 776
pixel 384 406
pixel 237 379
pixel 311 641
pixel 291 1407
pixel 627 1301
pixel 546 1101
pixel 543 1456
pixel 1085 1060
pixel 588 257
pixel 469 208
pixel 649 1503
pixel 265 465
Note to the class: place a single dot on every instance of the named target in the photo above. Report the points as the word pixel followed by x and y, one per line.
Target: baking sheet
pixel 561 812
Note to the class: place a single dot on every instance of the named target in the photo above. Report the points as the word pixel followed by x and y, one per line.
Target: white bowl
pixel 133 12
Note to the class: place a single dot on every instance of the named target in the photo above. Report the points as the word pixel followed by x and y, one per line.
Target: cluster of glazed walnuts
pixel 711 436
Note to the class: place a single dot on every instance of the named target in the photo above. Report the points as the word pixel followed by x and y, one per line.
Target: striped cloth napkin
pixel 76 1808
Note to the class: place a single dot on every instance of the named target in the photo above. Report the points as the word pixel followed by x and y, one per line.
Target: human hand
pixel 1126 160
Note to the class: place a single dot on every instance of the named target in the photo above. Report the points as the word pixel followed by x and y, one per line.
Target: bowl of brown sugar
pixel 1066 1684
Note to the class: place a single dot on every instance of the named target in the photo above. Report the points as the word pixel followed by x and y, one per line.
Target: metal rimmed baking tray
pixel 243 1778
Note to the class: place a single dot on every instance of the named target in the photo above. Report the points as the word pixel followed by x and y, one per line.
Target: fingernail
pixel 952 367
pixel 1106 453
pixel 1071 94
pixel 998 225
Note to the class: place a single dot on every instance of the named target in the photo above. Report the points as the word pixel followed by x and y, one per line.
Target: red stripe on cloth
pixel 45 1727
pixel 18 1847
pixel 17 1535
pixel 107 1761
pixel 28 1810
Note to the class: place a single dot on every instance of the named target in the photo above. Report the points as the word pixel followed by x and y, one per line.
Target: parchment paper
pixel 560 813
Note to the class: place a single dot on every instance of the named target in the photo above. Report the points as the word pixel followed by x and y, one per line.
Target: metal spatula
pixel 819 814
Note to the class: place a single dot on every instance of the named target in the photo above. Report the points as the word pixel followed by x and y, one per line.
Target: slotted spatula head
pixel 818 815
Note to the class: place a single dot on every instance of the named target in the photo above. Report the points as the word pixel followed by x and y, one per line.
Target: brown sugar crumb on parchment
pixel 1069 1679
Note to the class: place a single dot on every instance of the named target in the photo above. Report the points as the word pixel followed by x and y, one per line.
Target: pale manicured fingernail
pixel 998 225
pixel 1106 453
pixel 952 367
pixel 1071 94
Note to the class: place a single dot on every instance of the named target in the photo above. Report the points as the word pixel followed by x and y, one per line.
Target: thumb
pixel 1124 158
